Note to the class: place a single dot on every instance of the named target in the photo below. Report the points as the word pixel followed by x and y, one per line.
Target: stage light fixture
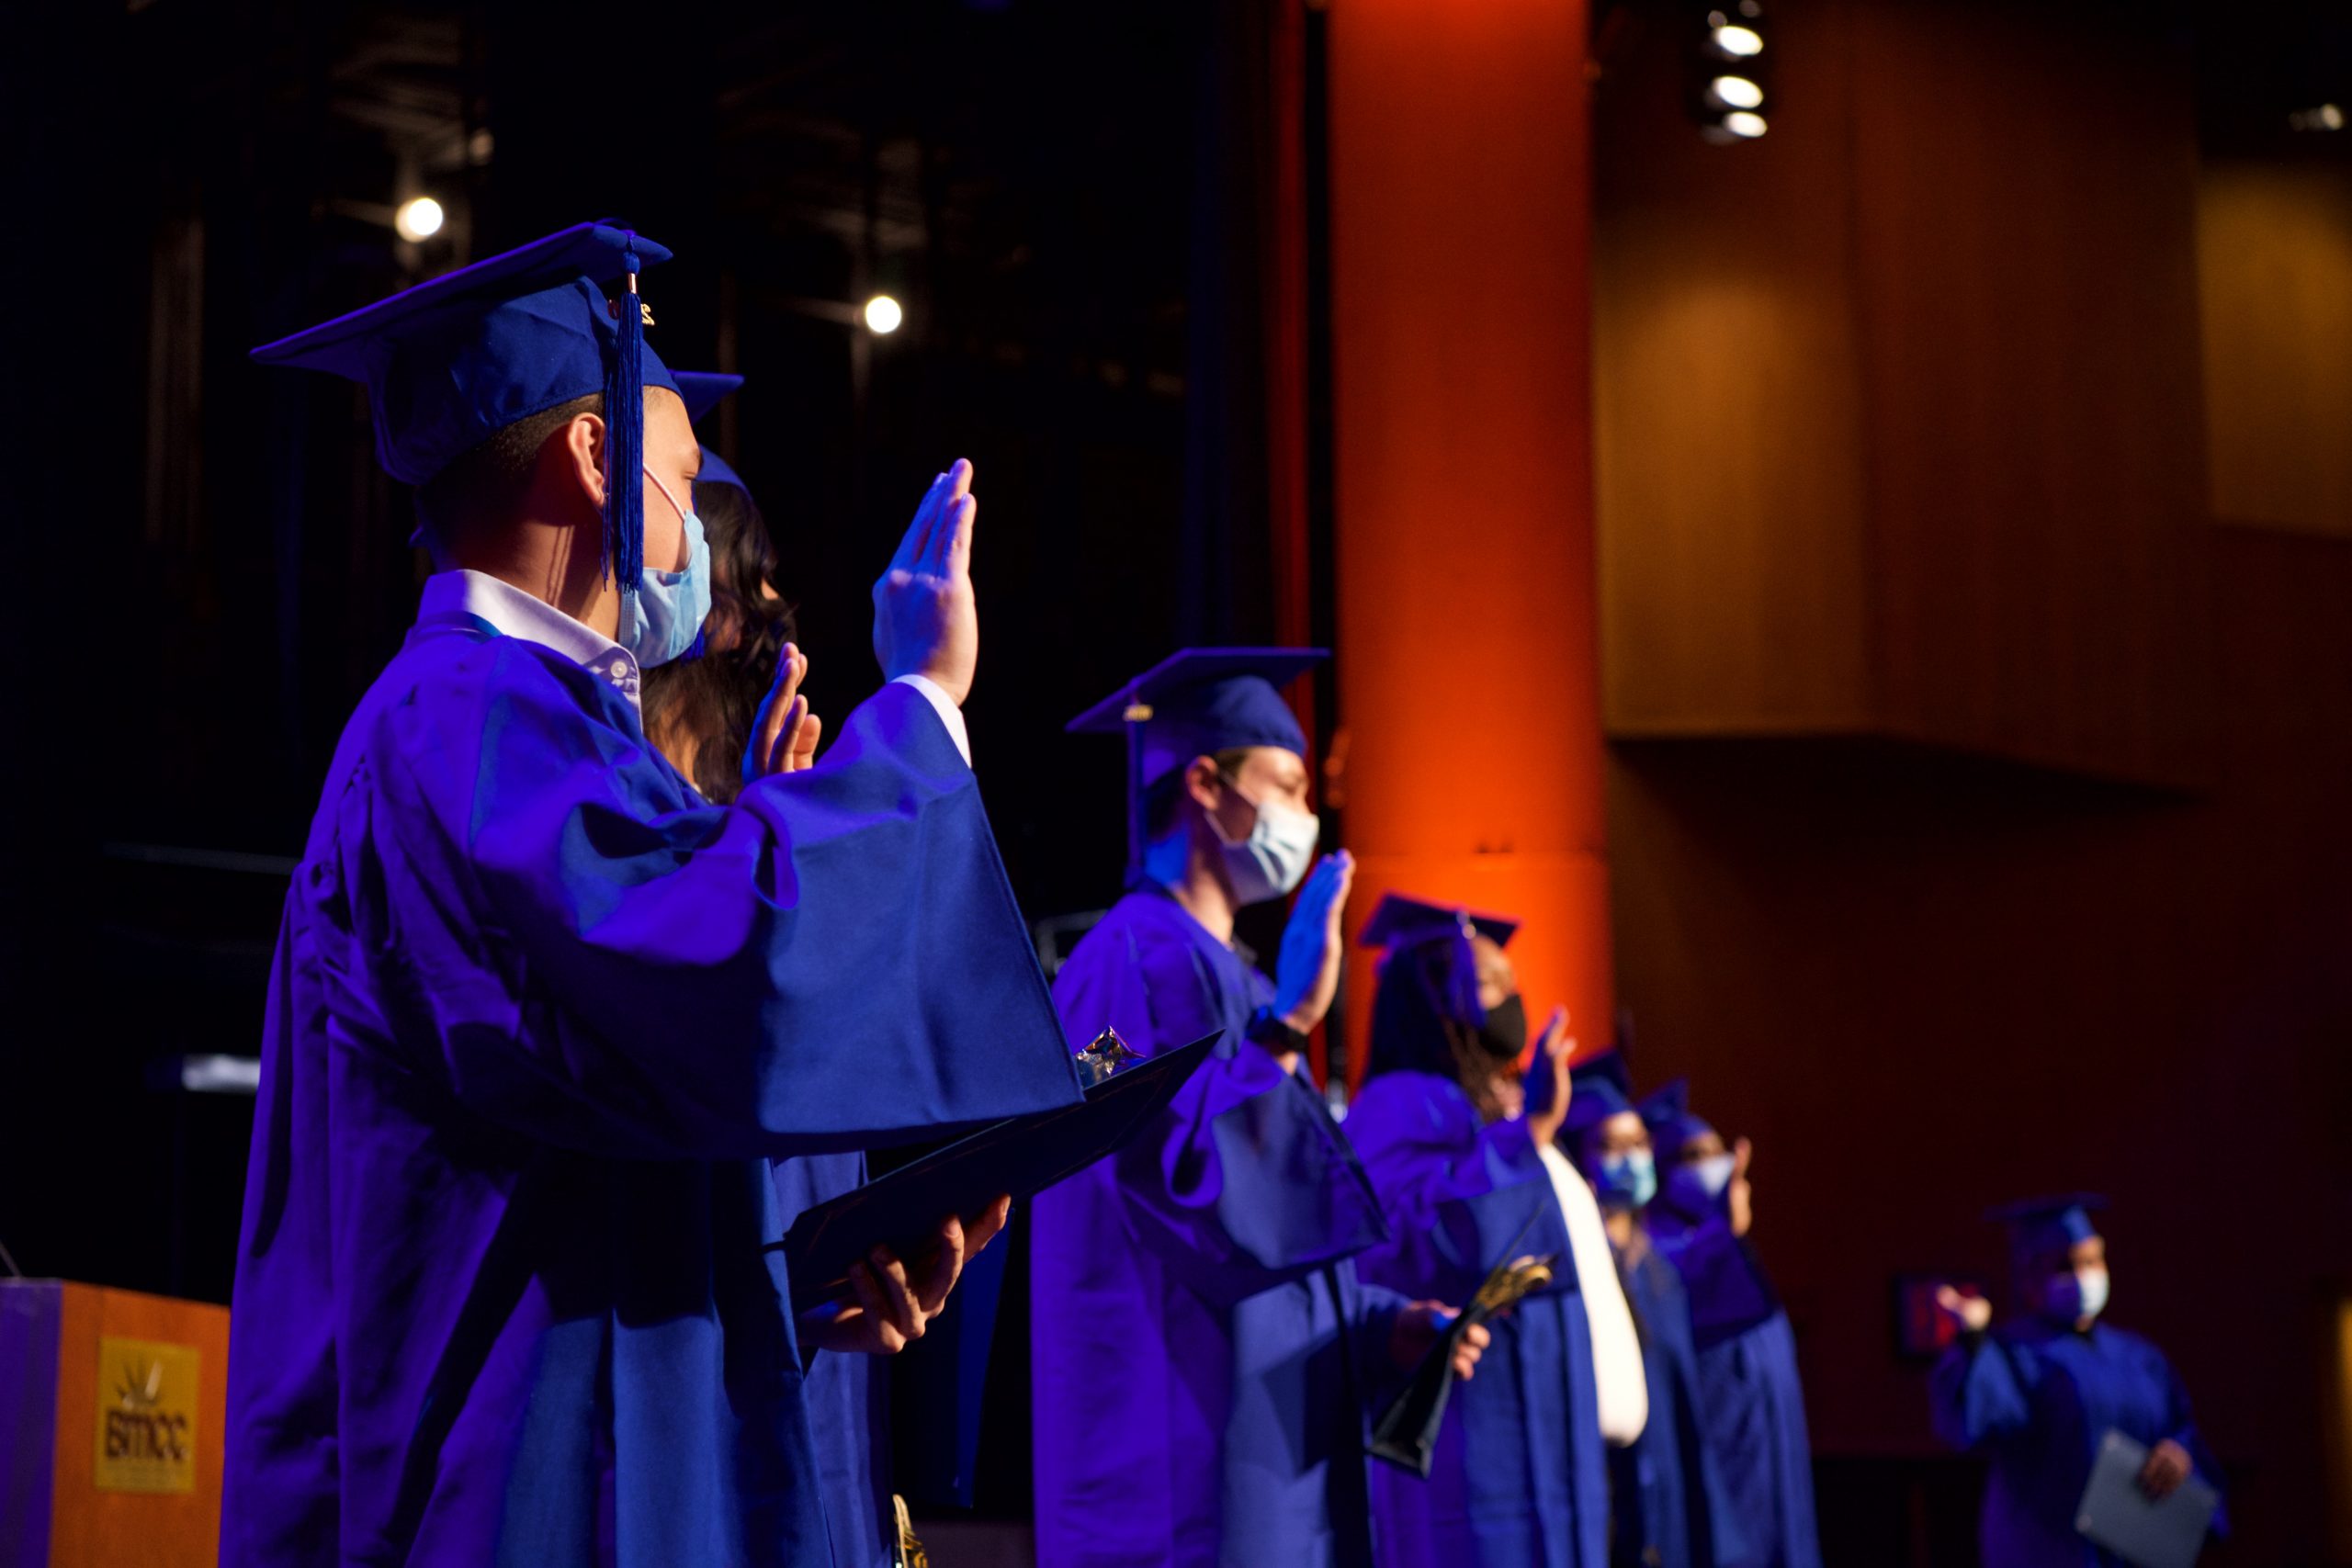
pixel 418 218
pixel 2326 117
pixel 1732 36
pixel 1736 93
pixel 883 315
pixel 1730 83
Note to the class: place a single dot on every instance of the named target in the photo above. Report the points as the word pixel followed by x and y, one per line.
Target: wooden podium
pixel 111 1412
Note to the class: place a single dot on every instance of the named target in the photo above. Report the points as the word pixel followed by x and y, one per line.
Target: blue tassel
pixel 1462 1003
pixel 625 442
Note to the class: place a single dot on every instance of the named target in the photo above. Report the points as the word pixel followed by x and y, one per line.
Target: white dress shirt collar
pixel 517 614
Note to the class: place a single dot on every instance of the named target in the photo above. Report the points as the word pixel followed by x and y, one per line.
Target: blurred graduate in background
pixel 1204 1354
pixel 1751 1403
pixel 1462 1158
pixel 699 708
pixel 1669 1507
pixel 702 710
pixel 2037 1395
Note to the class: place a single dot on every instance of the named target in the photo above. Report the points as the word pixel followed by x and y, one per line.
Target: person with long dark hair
pixel 1457 1150
pixel 701 710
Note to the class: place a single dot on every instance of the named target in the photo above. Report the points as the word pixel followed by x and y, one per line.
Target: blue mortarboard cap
pixel 2037 1226
pixel 1667 1113
pixel 703 392
pixel 705 389
pixel 1193 703
pixel 1600 1087
pixel 454 360
pixel 1402 921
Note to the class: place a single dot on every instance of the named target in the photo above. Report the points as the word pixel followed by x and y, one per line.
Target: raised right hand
pixel 784 732
pixel 1307 972
pixel 1545 1122
pixel 1973 1313
pixel 925 619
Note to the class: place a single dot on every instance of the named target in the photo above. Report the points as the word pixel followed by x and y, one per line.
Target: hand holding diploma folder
pixel 1018 1158
pixel 2117 1513
pixel 1405 1433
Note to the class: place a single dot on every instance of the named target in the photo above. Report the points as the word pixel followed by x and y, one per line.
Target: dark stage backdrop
pixel 209 567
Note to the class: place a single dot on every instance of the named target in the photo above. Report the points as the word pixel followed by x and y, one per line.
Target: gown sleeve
pixel 1243 1182
pixel 2181 1427
pixel 1978 1398
pixel 1455 1193
pixel 1727 1290
pixel 599 959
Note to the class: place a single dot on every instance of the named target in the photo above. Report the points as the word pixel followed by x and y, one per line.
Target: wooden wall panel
pixel 1898 419
pixel 1728 408
pixel 2025 190
pixel 2274 256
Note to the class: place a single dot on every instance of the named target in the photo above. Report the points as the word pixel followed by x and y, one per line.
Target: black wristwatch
pixel 1265 1029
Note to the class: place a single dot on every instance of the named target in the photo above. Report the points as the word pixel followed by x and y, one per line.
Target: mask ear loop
pixel 672 500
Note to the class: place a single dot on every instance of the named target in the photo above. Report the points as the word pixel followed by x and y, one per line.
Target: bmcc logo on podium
pixel 146 1428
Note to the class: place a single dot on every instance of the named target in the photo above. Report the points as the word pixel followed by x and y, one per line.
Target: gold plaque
pixel 146 1433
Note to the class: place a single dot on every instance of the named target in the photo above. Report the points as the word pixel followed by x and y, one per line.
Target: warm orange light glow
pixel 1466 637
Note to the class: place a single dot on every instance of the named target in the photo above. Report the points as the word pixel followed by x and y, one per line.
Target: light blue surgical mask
pixel 1630 1179
pixel 1273 859
pixel 1712 1174
pixel 664 618
pixel 2075 1294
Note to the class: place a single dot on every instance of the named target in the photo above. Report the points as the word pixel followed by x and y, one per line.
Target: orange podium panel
pixel 111 1409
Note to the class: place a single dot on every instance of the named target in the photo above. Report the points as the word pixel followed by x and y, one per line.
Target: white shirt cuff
pixel 949 713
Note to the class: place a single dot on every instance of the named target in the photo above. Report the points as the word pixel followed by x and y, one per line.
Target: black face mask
pixel 1504 1034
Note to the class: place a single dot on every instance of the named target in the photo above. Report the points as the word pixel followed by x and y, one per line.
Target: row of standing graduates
pixel 1206 1338
pixel 1217 1309
pixel 551 1053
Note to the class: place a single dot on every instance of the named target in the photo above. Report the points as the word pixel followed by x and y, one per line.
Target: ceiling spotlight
pixel 883 315
pixel 1745 125
pixel 419 218
pixel 1734 93
pixel 2327 117
pixel 1731 39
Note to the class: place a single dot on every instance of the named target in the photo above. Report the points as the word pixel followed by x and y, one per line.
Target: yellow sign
pixel 147 1402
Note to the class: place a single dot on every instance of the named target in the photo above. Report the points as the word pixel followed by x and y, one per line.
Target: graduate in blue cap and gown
pixel 541 1018
pixel 1203 1355
pixel 1669 1507
pixel 700 709
pixel 1751 1402
pixel 2036 1394
pixel 1457 1151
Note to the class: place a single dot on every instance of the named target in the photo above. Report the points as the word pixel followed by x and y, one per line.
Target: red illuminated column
pixel 1461 230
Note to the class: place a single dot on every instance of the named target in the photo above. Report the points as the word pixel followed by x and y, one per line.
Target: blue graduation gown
pixel 1201 1345
pixel 1670 1510
pixel 1520 1477
pixel 847 1396
pixel 538 1022
pixel 2036 1400
pixel 1751 1403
